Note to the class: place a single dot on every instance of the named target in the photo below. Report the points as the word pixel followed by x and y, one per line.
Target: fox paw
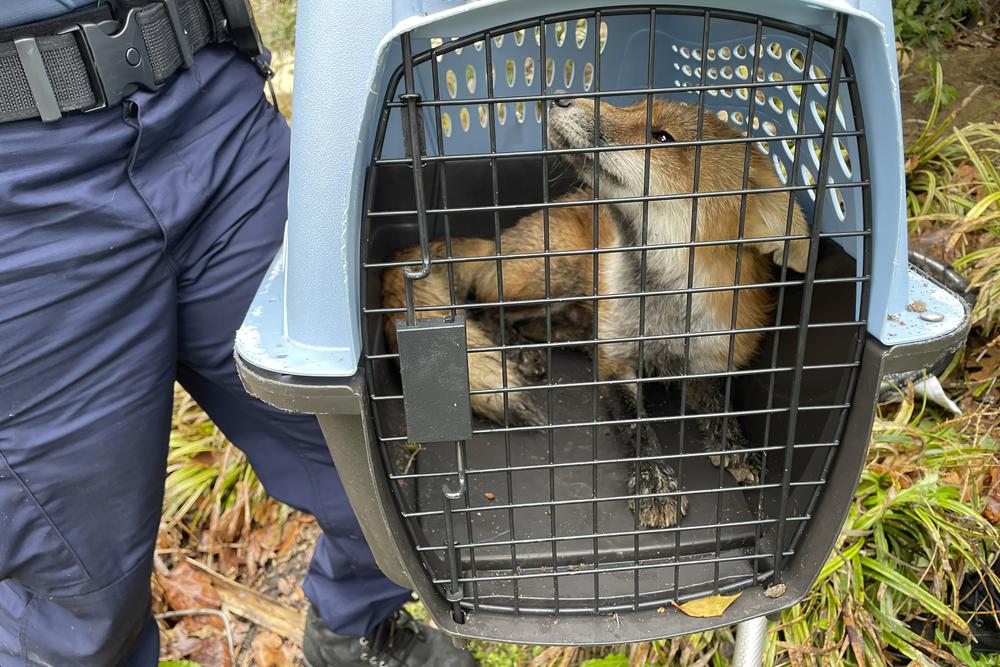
pixel 656 511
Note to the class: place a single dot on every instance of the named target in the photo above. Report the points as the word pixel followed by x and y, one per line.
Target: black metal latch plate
pixel 434 367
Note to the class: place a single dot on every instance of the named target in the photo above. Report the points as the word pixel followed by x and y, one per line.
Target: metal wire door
pixel 537 518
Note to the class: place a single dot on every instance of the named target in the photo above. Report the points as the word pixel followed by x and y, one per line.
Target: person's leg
pixel 87 341
pixel 222 256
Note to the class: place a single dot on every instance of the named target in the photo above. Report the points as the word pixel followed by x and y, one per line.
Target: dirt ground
pixel 966 68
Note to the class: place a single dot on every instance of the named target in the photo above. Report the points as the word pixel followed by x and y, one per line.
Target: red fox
pixel 667 222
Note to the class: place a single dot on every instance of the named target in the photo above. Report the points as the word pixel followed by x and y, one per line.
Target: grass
pixel 892 592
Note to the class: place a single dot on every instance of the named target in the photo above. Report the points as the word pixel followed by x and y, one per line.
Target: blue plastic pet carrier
pixel 427 132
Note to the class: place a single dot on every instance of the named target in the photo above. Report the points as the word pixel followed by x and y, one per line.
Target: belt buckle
pixel 242 27
pixel 117 61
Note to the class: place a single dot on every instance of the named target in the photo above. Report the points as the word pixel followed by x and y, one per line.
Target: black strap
pixel 38 65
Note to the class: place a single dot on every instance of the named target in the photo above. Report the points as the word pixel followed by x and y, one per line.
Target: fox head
pixel 672 170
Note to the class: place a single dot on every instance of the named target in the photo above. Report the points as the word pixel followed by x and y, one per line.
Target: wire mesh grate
pixel 655 224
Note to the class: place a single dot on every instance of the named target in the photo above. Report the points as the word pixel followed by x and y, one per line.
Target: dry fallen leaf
pixel 269 650
pixel 713 605
pixel 992 510
pixel 187 588
pixel 211 652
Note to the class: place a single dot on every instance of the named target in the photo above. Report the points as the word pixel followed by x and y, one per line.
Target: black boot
pixel 398 641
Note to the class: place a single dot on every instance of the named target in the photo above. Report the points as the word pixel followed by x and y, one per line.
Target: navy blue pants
pixel 131 243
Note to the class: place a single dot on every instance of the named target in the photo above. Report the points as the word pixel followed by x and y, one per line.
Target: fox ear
pixel 767 216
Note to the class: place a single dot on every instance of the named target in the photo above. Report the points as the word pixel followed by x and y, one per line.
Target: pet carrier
pixel 592 300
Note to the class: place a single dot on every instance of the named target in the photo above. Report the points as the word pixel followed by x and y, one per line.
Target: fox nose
pixel 563 102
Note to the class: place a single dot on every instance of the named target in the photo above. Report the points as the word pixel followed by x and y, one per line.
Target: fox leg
pixel 706 396
pixel 486 371
pixel 652 477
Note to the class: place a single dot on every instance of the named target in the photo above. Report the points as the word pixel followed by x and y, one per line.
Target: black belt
pixel 49 68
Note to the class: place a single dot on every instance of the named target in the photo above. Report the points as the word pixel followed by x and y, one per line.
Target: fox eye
pixel 663 137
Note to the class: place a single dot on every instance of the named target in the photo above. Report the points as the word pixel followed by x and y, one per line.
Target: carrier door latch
pixel 434 366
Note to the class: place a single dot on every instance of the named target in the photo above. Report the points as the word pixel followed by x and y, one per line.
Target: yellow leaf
pixel 713 605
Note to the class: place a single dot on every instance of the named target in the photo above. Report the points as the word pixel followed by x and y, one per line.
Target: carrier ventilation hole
pixel 696 54
pixel 713 92
pixel 794 92
pixel 588 75
pixel 760 74
pixel 604 36
pixel 770 128
pixel 839 203
pixel 725 53
pixel 774 76
pixel 687 69
pixel 713 73
pixel 740 51
pixel 726 72
pixel 685 52
pixel 737 117
pixel 777 104
pixel 840 114
pixel 816 152
pixel 759 96
pixel 723 115
pixel 819 113
pixel 436 42
pixel 529 70
pixel 568 70
pixel 743 72
pixel 810 180
pixel 560 30
pixel 550 71
pixel 538 111
pixel 581 33
pixel 677 66
pixel 498 41
pixel 484 115
pixel 538 35
pixel 451 83
pixel 519 37
pixel 463 117
pixel 727 92
pixel 519 112
pixel 697 72
pixel 478 45
pixel 756 123
pixel 793 119
pixel 511 72
pixel 742 93
pixel 711 54
pixel 775 50
pixel 779 169
pixel 844 156
pixel 818 73
pixel 789 148
pixel 795 59
pixel 470 78
pixel 763 147
pixel 502 112
pixel 446 124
